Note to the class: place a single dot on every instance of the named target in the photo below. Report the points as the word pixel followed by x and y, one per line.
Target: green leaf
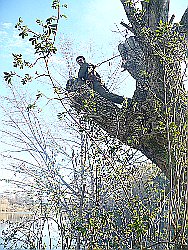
pixel 20 20
pixel 31 106
pixel 63 15
pixel 8 77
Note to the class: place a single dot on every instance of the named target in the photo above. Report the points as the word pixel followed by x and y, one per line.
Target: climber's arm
pixel 83 71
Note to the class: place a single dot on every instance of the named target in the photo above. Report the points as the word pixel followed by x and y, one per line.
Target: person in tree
pixel 88 74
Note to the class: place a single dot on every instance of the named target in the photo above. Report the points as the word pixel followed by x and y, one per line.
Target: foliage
pixel 43 43
pixel 110 200
pixel 111 197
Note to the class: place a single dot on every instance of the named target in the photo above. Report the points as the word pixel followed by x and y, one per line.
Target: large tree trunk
pixel 142 124
pixel 126 124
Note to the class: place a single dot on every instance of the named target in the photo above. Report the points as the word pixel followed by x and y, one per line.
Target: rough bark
pixel 139 124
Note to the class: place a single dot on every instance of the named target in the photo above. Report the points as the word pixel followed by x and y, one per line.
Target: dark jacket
pixel 87 72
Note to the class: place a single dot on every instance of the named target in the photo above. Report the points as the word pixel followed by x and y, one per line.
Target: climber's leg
pixel 104 93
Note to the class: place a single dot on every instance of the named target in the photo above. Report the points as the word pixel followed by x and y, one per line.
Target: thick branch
pixel 153 12
pixel 184 19
pixel 139 125
pixel 184 23
pixel 126 124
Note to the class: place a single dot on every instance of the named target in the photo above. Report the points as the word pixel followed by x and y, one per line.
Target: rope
pixel 99 64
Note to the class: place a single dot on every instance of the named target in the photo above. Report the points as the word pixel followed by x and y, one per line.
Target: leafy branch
pixel 43 43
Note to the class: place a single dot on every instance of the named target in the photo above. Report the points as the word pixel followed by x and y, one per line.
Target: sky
pixel 89 21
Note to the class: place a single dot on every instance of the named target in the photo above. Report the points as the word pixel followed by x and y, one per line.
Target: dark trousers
pixel 106 94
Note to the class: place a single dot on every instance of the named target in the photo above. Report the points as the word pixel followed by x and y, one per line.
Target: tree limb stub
pixel 125 123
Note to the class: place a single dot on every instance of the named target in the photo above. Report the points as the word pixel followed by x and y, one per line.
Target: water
pixel 51 226
pixel 6 218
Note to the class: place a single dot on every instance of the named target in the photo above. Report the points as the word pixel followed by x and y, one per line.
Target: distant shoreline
pixel 16 212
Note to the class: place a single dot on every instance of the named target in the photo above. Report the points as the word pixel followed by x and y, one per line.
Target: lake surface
pixel 8 218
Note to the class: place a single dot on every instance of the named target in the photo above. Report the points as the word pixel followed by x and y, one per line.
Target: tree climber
pixel 89 75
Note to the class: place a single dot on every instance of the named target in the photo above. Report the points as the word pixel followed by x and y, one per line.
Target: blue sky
pixel 88 20
pixel 91 20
